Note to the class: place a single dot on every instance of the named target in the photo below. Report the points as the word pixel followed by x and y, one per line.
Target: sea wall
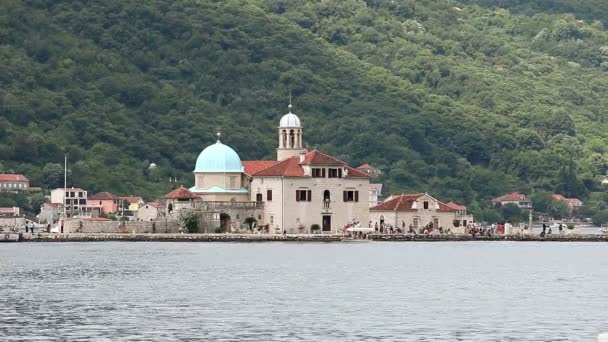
pixel 118 227
pixel 294 237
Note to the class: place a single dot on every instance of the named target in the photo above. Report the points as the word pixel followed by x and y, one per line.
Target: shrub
pixel 315 227
pixel 189 221
pixel 456 223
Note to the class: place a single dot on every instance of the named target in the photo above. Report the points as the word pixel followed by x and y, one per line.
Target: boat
pixel 604 229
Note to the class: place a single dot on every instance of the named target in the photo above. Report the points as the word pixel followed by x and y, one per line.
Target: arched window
pixel 170 207
pixel 292 139
pixel 326 199
pixel 284 138
pixel 258 198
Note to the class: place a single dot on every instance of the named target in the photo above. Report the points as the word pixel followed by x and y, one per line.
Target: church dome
pixel 290 120
pixel 218 158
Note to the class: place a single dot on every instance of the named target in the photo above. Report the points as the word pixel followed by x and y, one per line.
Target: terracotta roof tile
pixel 180 193
pixel 13 178
pixel 401 202
pixel 319 158
pixel 253 166
pixel 131 199
pixel 287 168
pixel 365 166
pixel 445 207
pixel 512 197
pixel 456 206
pixel 103 196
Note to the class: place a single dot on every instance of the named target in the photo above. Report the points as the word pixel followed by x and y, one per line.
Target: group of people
pixel 550 231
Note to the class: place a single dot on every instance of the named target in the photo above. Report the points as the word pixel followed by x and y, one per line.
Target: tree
pixel 189 221
pixel 511 212
pixel 53 175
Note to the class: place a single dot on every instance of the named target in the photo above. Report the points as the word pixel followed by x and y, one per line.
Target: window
pixel 334 173
pixel 258 198
pixel 351 196
pixel 303 195
pixel 426 205
pixel 318 173
pixel 83 201
pixel 416 222
pixel 269 195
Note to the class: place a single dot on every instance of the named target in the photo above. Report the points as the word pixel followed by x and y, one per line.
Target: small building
pixel 370 170
pixel 180 198
pixel 572 203
pixel 75 199
pixel 11 218
pixel 49 213
pixel 132 203
pixel 149 211
pixel 418 211
pixel 14 182
pixel 109 203
pixel 375 193
pixel 519 199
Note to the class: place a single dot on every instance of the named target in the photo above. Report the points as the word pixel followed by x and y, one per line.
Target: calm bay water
pixel 475 291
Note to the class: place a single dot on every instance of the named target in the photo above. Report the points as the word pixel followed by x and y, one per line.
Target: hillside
pixel 465 103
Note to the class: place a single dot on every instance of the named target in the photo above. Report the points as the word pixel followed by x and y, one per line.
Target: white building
pixel 299 190
pixel 75 199
pixel 417 211
pixel 375 192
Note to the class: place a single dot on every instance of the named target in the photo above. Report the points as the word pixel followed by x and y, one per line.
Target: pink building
pixel 109 203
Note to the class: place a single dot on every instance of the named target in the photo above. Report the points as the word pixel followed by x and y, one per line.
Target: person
pixel 48 228
pixel 61 226
pixel 560 229
pixel 284 231
pixel 27 227
pixel 549 232
pixel 376 227
pixel 542 234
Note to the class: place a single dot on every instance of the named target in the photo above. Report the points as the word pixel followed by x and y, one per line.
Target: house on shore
pixel 519 199
pixel 418 211
pixel 14 182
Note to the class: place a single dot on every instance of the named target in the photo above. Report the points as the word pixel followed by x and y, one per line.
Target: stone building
pixel 419 210
pixel 299 189
pixel 14 182
pixel 149 211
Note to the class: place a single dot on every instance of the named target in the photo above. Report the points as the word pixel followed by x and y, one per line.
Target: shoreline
pixel 93 237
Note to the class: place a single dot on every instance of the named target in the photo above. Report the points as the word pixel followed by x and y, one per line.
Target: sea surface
pixel 376 291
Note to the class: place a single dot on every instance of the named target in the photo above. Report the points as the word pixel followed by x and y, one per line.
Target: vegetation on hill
pixel 460 99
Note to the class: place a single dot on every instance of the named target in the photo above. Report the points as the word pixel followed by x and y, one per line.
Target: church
pixel 301 191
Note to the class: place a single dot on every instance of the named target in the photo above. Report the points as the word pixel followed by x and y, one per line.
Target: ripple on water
pixel 303 292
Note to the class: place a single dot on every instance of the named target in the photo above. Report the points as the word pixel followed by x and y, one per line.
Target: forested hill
pixel 461 100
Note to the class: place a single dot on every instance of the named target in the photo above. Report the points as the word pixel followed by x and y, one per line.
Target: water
pixel 473 291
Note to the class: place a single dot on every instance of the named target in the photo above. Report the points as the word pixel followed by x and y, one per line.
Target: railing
pixel 213 205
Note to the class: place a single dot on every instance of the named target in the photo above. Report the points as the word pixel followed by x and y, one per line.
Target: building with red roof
pixel 370 170
pixel 299 189
pixel 132 203
pixel 519 199
pixel 14 182
pixel 108 202
pixel 416 211
pixel 571 202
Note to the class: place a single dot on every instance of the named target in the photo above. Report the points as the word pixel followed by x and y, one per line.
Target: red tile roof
pixel 319 158
pixel 157 205
pixel 401 202
pixel 456 206
pixel 512 197
pixel 9 210
pixel 131 199
pixel 366 166
pixel 4 177
pixel 52 205
pixel 559 197
pixel 445 207
pixel 292 167
pixel 180 193
pixel 253 166
pixel 104 196
pixel 287 168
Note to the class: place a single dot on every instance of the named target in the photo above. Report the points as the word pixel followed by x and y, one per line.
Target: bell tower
pixel 290 136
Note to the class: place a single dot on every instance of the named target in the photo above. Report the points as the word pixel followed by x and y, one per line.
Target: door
pixel 326 223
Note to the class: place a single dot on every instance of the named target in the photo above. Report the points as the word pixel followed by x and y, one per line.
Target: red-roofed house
pixel 417 211
pixel 13 182
pixel 108 202
pixel 370 170
pixel 521 200
pixel 571 202
pixel 150 211
pixel 132 203
pixel 180 198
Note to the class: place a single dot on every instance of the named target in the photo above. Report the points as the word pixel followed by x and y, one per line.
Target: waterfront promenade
pixel 83 237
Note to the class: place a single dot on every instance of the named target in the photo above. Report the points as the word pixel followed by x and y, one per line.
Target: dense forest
pixel 463 99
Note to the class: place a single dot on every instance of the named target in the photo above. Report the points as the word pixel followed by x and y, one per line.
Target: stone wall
pixel 12 222
pixel 118 227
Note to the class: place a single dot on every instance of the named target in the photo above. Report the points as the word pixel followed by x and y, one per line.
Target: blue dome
pixel 218 158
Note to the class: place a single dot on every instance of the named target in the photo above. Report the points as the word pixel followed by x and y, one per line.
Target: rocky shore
pixel 83 237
